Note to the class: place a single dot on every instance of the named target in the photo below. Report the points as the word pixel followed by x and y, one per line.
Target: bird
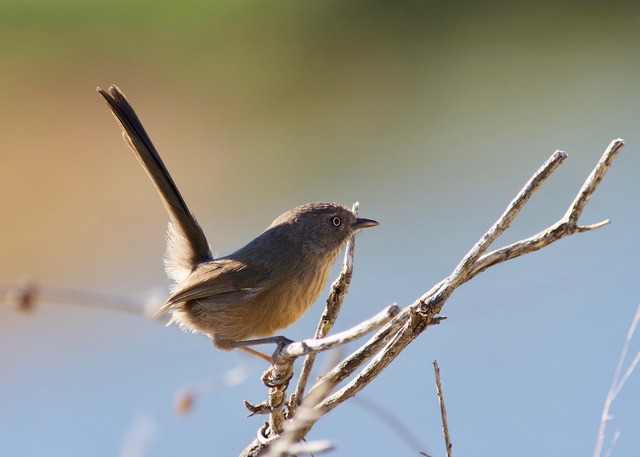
pixel 244 298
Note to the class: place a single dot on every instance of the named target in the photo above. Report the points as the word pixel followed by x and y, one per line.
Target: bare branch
pixel 379 362
pixel 26 294
pixel 311 346
pixel 408 324
pixel 278 375
pixel 443 410
pixel 617 383
pixel 423 313
pixel 591 183
pixel 350 364
pixel 286 443
pixel 463 269
pixel 441 292
pixel 568 225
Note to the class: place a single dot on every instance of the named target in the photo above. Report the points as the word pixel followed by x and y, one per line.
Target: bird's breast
pixel 292 296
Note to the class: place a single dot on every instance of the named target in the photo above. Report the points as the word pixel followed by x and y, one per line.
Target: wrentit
pixel 259 289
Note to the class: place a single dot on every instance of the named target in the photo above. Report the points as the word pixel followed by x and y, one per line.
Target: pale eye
pixel 336 221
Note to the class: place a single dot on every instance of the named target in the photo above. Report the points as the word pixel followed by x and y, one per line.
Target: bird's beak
pixel 364 223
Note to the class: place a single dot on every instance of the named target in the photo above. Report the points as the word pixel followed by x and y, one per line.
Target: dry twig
pixel 617 383
pixel 287 443
pixel 27 294
pixel 443 410
pixel 422 313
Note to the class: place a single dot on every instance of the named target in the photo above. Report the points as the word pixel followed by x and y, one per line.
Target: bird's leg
pixel 280 372
pixel 280 340
pixel 255 353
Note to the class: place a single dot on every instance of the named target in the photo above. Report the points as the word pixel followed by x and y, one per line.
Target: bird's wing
pixel 218 277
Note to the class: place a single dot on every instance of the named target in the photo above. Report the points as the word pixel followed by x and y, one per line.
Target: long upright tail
pixel 186 243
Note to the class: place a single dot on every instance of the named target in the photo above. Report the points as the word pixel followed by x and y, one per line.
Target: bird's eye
pixel 336 221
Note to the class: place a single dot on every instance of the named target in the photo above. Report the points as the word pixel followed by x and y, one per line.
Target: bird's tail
pixel 186 243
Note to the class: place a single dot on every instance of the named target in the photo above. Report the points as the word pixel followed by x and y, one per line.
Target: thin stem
pixel 616 385
pixel 443 410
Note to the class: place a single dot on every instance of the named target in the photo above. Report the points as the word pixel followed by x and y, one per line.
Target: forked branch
pixel 406 326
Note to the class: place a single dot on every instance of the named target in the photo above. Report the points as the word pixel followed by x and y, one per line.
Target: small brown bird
pixel 259 289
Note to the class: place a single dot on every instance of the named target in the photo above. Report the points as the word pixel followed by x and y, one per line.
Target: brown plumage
pixel 262 287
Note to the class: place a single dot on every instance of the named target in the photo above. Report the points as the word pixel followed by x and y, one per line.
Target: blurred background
pixel 431 114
